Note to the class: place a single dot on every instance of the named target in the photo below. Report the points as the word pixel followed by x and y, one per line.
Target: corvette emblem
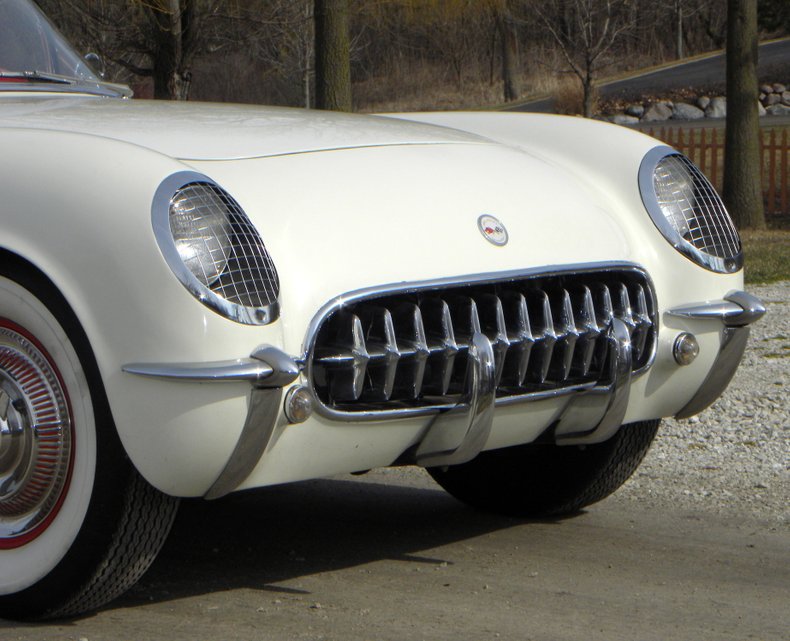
pixel 493 230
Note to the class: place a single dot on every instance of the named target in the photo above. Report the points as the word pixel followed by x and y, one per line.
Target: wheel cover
pixel 36 438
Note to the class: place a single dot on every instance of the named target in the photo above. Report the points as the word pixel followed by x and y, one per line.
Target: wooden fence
pixel 705 147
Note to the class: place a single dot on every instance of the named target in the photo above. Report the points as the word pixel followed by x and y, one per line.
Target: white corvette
pixel 198 299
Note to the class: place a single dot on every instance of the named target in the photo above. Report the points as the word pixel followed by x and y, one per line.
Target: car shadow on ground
pixel 265 539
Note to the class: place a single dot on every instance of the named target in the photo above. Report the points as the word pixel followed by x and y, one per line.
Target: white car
pixel 198 299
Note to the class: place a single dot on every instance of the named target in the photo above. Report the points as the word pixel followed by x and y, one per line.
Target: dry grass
pixel 767 255
pixel 425 88
pixel 432 86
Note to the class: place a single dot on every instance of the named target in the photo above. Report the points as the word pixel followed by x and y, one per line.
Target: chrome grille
pixel 408 349
pixel 249 278
pixel 695 208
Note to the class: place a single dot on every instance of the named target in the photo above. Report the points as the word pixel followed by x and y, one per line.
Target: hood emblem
pixel 493 230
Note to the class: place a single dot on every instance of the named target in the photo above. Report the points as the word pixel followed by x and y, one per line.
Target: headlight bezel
pixel 646 177
pixel 168 189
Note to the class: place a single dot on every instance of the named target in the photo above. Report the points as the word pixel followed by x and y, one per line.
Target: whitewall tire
pixel 78 525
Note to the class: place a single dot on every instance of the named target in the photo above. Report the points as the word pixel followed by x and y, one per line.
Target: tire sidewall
pixel 25 566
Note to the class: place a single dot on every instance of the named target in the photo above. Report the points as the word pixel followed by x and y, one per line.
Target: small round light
pixel 298 404
pixel 686 349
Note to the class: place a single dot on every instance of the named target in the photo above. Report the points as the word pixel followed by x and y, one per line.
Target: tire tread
pixel 148 515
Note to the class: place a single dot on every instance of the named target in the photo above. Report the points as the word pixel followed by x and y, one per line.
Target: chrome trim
pixel 268 370
pixel 733 345
pixel 255 436
pixel 37 442
pixel 647 191
pixel 267 367
pixel 160 219
pixel 240 370
pixel 737 309
pixel 87 88
pixel 458 435
pixel 472 279
pixel 285 368
pixel 613 399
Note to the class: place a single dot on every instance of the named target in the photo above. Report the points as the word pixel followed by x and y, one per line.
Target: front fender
pixel 79 209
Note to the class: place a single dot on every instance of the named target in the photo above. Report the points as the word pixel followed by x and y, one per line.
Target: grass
pixel 767 255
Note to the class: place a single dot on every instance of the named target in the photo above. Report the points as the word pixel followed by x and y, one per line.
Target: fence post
pixel 771 146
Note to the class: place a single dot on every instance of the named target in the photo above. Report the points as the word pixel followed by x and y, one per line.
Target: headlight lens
pixel 215 251
pixel 201 231
pixel 687 210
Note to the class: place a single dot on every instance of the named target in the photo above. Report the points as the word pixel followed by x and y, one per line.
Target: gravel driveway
pixel 734 458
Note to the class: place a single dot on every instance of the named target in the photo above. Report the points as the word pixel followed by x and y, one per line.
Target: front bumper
pixel 457 435
pixel 737 311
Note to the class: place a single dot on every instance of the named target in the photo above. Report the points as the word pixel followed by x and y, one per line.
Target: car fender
pixel 78 208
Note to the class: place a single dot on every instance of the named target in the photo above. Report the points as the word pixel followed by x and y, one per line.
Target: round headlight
pixel 687 210
pixel 214 249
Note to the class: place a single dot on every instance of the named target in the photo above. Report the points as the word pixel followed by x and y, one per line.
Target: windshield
pixel 33 53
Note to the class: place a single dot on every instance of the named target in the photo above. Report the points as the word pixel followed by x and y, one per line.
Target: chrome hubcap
pixel 35 438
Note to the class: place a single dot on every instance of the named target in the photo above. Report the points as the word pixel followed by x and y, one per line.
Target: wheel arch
pixel 31 277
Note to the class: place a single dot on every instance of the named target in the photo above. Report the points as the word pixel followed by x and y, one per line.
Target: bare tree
pixel 332 55
pixel 742 160
pixel 585 32
pixel 508 38
pixel 158 39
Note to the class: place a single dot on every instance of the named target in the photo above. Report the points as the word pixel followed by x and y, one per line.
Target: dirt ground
pixel 389 556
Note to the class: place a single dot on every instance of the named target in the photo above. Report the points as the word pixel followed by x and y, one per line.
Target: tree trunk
pixel 679 29
pixel 742 159
pixel 307 56
pixel 332 55
pixel 171 77
pixel 588 84
pixel 510 56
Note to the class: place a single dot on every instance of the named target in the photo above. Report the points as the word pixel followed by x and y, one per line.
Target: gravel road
pixel 735 456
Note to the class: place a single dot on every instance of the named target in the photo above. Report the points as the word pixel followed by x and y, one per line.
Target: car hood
pixel 203 131
pixel 346 220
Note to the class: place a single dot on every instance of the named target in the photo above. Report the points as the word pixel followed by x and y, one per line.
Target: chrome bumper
pixel 737 311
pixel 457 435
pixel 268 370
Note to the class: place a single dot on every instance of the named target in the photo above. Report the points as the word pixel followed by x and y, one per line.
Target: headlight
pixel 687 210
pixel 214 250
pixel 202 231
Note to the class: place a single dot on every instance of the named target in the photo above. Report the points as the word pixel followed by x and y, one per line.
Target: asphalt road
pixel 774 58
pixel 391 557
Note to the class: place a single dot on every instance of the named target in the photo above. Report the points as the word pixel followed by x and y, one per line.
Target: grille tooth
pixel 466 321
pixel 409 349
pixel 643 323
pixel 413 348
pixel 465 316
pixel 542 321
pixel 345 358
pixel 606 308
pixel 589 332
pixel 492 322
pixel 567 336
pixel 623 308
pixel 441 344
pixel 520 337
pixel 382 348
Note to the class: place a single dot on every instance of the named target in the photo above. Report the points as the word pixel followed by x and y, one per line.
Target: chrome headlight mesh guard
pixel 214 250
pixel 689 213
